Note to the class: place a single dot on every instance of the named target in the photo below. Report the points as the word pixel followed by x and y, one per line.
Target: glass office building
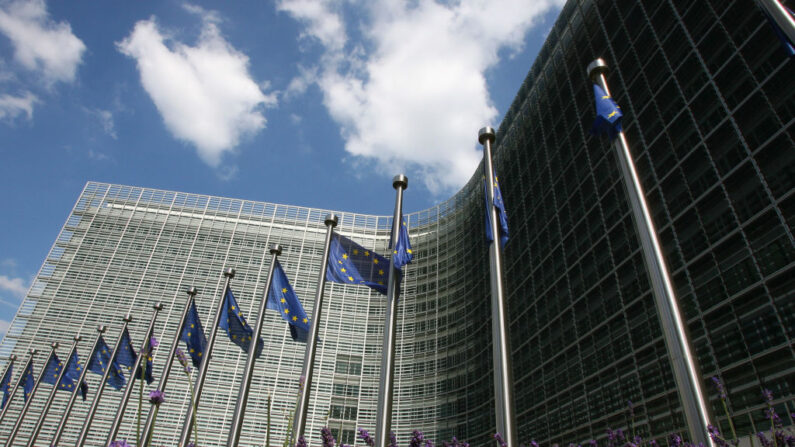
pixel 709 116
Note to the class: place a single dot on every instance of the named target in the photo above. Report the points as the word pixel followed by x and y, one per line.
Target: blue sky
pixel 316 103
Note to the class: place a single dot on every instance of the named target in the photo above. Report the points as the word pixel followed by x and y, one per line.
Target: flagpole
pixel 153 409
pixel 248 373
pixel 501 347
pixel 29 400
pixel 32 352
pixel 11 359
pixel 81 440
pixel 145 350
pixel 781 16
pixel 229 273
pixel 40 423
pixel 299 420
pixel 686 374
pixel 65 418
pixel 386 382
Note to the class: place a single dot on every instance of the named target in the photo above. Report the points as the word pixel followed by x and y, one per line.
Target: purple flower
pixel 183 360
pixel 364 435
pixel 153 343
pixel 499 439
pixel 620 434
pixel 191 444
pixel 763 440
pixel 768 395
pixel 719 386
pixel 429 443
pixel 325 435
pixel 676 441
pixel 714 433
pixel 653 443
pixel 122 443
pixel 301 442
pixel 593 443
pixel 156 397
pixel 416 439
pixel 533 443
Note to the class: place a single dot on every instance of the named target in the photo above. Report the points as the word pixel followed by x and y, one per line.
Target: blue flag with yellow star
pixel 402 253
pixel 608 114
pixel 5 385
pixel 350 263
pixel 233 322
pixel 193 335
pixel 127 357
pixel 502 216
pixel 101 359
pixel 28 381
pixel 282 298
pixel 53 369
pixel 74 369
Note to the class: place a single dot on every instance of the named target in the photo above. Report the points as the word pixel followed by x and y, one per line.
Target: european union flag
pixel 101 359
pixel 608 114
pixel 193 335
pixel 402 253
pixel 789 46
pixel 53 369
pixel 5 385
pixel 233 322
pixel 350 263
pixel 28 381
pixel 149 367
pixel 502 216
pixel 127 357
pixel 74 369
pixel 282 298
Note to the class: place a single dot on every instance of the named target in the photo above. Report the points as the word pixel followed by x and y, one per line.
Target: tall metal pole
pixel 65 418
pixel 781 16
pixel 686 374
pixel 11 360
pixel 248 373
pixel 383 420
pixel 153 409
pixel 501 343
pixel 81 440
pixel 144 352
pixel 18 424
pixel 40 423
pixel 184 438
pixel 299 421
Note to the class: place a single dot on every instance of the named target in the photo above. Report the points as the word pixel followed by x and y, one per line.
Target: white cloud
pixel 412 94
pixel 13 106
pixel 41 44
pixel 16 286
pixel 105 118
pixel 204 93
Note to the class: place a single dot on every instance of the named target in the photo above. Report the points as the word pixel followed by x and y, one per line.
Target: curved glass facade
pixel 709 118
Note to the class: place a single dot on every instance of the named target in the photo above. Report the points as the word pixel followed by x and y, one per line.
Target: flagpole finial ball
pixel 54 345
pixel 32 351
pixel 331 219
pixel 230 272
pixel 127 318
pixel 101 328
pixel 12 357
pixel 77 338
pixel 486 133
pixel 158 306
pixel 276 249
pixel 192 291
pixel 401 181
pixel 597 67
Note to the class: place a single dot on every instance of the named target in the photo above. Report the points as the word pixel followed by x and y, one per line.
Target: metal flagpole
pixel 248 373
pixel 65 418
pixel 18 424
pixel 386 382
pixel 781 16
pixel 186 428
pixel 150 419
pixel 688 379
pixel 81 440
pixel 11 360
pixel 299 421
pixel 501 347
pixel 51 398
pixel 139 361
